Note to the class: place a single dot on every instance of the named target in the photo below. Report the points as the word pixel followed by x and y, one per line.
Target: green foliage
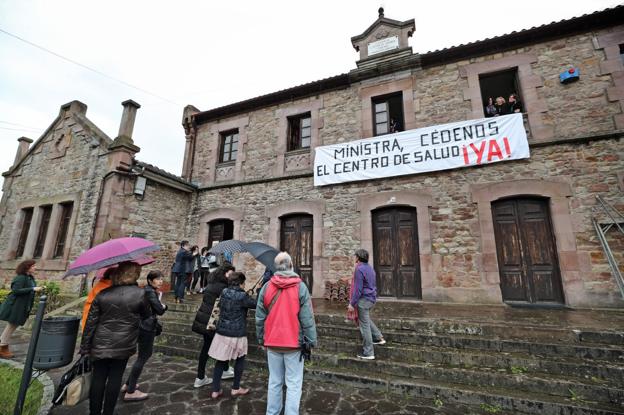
pixel 3 295
pixel 437 402
pixel 491 409
pixel 574 396
pixel 52 290
pixel 518 370
pixel 9 387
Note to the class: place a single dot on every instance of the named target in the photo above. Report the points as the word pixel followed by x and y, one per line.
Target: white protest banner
pixel 441 147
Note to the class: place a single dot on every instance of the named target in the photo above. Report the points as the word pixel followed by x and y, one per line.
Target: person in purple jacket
pixel 364 296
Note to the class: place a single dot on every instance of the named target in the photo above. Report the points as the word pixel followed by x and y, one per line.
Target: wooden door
pixel 395 250
pixel 526 250
pixel 296 239
pixel 220 230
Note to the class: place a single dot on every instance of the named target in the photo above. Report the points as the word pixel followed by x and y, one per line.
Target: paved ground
pixel 169 381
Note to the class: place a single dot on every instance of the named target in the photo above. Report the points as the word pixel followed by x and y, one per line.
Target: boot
pixel 4 352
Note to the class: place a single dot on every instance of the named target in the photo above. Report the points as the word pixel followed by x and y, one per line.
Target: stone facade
pixel 574 133
pixel 76 162
pixel 576 154
pixel 65 165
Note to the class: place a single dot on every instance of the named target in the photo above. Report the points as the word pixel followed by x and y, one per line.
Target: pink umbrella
pixel 109 253
pixel 144 260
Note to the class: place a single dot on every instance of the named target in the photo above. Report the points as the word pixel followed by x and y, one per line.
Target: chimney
pixel 22 149
pixel 127 119
pixel 124 139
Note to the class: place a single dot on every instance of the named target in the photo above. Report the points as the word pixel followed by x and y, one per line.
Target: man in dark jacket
pixel 285 325
pixel 110 335
pixel 364 296
pixel 217 282
pixel 182 266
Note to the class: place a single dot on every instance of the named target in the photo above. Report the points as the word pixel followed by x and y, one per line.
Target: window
pixel 66 214
pixel 229 146
pixel 28 214
pixel 388 114
pixel 299 131
pixel 622 52
pixel 499 84
pixel 46 213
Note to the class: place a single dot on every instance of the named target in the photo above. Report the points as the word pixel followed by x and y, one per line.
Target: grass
pixel 9 387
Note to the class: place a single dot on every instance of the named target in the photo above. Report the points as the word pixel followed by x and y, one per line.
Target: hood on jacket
pixel 282 281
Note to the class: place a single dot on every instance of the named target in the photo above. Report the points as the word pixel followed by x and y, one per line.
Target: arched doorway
pixel 296 238
pixel 220 230
pixel 526 251
pixel 395 252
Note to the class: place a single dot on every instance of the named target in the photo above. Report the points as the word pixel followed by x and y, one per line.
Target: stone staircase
pixel 497 359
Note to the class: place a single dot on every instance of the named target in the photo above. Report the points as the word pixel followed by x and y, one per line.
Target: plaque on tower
pixel 383 45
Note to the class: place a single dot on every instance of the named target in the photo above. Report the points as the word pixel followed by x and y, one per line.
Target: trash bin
pixel 57 342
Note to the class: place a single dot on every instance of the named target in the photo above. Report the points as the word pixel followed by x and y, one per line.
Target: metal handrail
pixel 615 269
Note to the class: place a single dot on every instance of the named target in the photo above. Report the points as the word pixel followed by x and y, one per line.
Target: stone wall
pixel 160 216
pixel 440 94
pixel 456 264
pixel 66 164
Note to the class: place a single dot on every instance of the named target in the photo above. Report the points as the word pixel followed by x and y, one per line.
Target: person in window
pixel 514 104
pixel 16 307
pixel 501 106
pixel 395 125
pixel 490 109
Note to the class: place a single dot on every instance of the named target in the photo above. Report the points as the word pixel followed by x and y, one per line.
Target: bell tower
pixel 385 40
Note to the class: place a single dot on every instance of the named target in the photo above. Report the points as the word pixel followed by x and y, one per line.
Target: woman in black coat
pixel 110 335
pixel 217 282
pixel 148 330
pixel 16 307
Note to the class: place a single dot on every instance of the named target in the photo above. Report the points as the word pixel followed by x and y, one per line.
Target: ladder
pixel 616 219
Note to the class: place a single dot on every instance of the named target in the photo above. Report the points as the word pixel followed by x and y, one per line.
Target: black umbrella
pixel 264 254
pixel 231 246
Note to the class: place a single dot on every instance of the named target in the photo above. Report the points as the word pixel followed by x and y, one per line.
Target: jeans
pixel 105 384
pixel 221 366
pixel 368 329
pixel 180 283
pixel 284 368
pixel 196 277
pixel 146 347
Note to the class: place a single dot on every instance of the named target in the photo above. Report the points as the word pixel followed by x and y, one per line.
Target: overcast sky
pixel 208 54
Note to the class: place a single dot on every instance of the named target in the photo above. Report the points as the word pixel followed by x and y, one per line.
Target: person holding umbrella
pixel 110 335
pixel 16 307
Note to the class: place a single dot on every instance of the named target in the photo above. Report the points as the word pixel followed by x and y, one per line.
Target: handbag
pixel 75 384
pixel 214 315
pixel 158 328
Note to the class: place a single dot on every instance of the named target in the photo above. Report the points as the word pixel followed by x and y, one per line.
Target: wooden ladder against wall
pixel 615 219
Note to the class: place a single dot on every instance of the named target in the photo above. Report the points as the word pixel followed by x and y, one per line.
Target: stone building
pixel 517 231
pixel 76 187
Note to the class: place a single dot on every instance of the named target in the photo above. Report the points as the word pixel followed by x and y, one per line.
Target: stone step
pixel 610 373
pixel 534 332
pixel 589 351
pixel 491 399
pixel 531 382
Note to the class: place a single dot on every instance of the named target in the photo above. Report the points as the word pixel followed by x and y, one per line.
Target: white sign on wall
pixel 383 45
pixel 441 147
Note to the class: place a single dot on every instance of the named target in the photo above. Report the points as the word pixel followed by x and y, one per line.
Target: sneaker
pixel 201 382
pixel 380 341
pixel 228 374
pixel 365 357
pixel 136 396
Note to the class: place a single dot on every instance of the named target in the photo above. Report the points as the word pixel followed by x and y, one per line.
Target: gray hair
pixel 362 255
pixel 283 262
